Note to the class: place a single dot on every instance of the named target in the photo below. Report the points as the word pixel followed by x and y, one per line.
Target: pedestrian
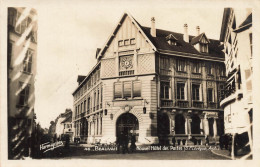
pixel 133 146
pixel 125 143
pixel 207 141
pixel 119 142
pixel 173 141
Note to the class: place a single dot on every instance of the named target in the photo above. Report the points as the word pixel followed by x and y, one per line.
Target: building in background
pixel 154 84
pixel 21 64
pixel 64 125
pixel 236 35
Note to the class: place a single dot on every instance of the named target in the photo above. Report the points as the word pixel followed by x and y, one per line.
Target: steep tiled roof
pixel 247 23
pixel 160 42
pixel 196 39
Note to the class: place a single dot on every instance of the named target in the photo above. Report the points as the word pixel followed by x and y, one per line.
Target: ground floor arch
pixel 127 124
pixel 179 124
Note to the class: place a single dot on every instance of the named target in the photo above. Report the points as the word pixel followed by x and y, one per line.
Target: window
pixel 88 107
pixel 95 97
pixel 101 125
pixel 27 62
pixel 204 47
pixel 251 43
pixel 21 28
pixel 120 43
pixel 165 90
pixel 12 17
pixel 196 67
pixel 209 69
pixel 222 70
pixel 118 90
pixel 127 90
pixel 181 65
pixel 97 125
pixel 137 89
pixel 132 41
pixel 126 42
pixel 24 94
pixel 101 98
pixel 164 63
pixel 196 92
pixel 9 54
pixel 84 106
pixel 180 91
pixel 210 95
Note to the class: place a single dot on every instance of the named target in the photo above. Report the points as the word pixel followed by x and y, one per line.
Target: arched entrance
pixel 163 124
pixel 195 124
pixel 179 124
pixel 127 124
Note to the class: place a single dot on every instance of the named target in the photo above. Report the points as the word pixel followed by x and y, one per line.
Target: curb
pixel 221 154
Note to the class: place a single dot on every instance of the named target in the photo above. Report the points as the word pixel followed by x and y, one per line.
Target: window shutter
pixel 118 90
pixel 127 89
pixel 137 89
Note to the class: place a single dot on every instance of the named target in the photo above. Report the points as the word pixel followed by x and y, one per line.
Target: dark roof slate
pixel 160 42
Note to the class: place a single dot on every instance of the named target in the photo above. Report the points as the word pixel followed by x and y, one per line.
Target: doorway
pixel 127 124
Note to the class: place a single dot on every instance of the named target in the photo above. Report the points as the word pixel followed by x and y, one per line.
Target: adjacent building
pixel 154 84
pixel 21 64
pixel 236 35
pixel 64 125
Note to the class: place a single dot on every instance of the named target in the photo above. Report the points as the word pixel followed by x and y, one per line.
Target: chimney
pixel 186 35
pixel 198 30
pixel 153 30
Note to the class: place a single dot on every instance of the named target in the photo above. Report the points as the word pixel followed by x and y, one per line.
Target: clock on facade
pixel 126 62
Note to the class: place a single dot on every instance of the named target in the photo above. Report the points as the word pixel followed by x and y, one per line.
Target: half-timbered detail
pixel 155 84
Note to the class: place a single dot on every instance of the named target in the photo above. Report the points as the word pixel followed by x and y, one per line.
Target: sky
pixel 69 34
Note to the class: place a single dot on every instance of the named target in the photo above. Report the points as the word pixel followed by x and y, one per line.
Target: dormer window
pixel 171 40
pixel 204 47
pixel 201 42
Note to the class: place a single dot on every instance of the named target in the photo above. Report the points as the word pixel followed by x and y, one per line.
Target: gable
pixel 127 36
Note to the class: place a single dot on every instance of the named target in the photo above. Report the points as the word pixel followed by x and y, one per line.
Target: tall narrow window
pixel 204 47
pixel 101 97
pixel 118 90
pixel 84 106
pixel 209 69
pixel 94 101
pixel 9 54
pixel 165 90
pixel 127 89
pixel 196 92
pixel 180 91
pixel 24 94
pixel 12 17
pixel 101 125
pixel 97 124
pixel 136 89
pixel 27 62
pixel 210 95
pixel 251 43
pixel 88 107
pixel 97 99
pixel 196 67
pixel 181 65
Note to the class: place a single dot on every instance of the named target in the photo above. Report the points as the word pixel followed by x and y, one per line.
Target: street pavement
pixel 80 152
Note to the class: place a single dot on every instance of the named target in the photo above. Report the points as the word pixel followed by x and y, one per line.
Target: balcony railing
pixel 166 103
pixel 212 105
pixel 165 72
pixel 182 103
pixel 123 73
pixel 197 104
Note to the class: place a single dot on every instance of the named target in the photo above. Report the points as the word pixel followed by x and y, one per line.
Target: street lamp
pixel 144 108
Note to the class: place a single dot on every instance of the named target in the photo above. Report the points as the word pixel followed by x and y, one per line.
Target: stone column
pixel 215 128
pixel 186 125
pixel 206 125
